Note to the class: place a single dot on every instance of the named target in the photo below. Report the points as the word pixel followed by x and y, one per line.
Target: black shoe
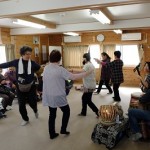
pixel 81 114
pixel 54 136
pixel 117 100
pixel 97 114
pixel 65 132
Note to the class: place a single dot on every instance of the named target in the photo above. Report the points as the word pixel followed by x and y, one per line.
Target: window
pixel 94 53
pixel 3 57
pixel 129 54
pixel 73 55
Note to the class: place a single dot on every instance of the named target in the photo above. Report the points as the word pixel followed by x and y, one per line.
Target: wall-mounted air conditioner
pixel 70 39
pixel 131 36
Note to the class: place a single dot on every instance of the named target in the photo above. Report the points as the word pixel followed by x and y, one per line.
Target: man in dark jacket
pixel 26 88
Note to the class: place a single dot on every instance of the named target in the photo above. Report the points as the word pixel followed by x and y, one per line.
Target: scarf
pixel 20 66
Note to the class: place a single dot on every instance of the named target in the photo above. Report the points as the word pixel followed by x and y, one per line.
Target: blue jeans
pixel 136 115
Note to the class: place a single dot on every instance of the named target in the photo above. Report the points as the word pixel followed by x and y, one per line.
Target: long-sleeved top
pixel 28 78
pixel 147 79
pixel 116 70
pixel 105 71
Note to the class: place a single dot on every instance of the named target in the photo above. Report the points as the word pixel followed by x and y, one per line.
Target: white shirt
pixel 89 81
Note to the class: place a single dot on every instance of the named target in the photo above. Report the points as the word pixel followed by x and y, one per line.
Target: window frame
pixel 122 53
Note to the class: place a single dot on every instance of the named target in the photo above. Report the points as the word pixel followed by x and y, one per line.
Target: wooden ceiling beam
pixel 37 20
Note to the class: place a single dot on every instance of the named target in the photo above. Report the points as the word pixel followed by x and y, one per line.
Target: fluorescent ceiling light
pixel 118 31
pixel 100 16
pixel 71 33
pixel 29 24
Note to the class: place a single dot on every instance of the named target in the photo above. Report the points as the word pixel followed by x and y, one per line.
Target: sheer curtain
pixel 73 55
pixel 10 52
pixel 109 49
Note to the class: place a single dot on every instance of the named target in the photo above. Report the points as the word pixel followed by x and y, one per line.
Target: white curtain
pixel 10 52
pixel 109 49
pixel 73 55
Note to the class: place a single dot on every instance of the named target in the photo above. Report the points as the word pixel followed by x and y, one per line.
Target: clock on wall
pixel 100 37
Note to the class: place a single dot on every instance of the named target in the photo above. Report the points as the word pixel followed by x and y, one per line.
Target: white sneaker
pixel 136 136
pixel 36 115
pixel 23 123
pixel 9 107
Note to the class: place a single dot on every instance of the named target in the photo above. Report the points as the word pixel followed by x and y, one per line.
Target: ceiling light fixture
pixel 118 31
pixel 71 33
pixel 29 24
pixel 100 16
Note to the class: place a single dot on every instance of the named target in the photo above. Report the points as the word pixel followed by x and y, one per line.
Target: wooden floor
pixel 35 135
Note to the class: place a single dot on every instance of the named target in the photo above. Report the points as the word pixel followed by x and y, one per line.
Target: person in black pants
pixel 65 120
pixel 105 74
pixel 87 100
pixel 116 73
pixel 26 88
pixel 54 92
pixel 89 84
pixel 30 98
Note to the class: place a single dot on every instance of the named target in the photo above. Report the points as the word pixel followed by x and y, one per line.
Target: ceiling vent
pixel 72 39
pixel 131 36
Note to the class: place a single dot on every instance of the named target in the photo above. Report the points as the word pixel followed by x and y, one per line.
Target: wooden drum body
pixel 108 114
pixel 134 101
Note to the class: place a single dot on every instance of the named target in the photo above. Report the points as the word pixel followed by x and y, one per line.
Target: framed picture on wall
pixel 35 39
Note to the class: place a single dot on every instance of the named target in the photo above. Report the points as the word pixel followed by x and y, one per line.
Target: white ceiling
pixel 124 15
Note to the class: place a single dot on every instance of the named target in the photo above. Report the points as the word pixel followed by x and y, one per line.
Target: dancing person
pixel 116 73
pixel 105 74
pixel 26 88
pixel 54 92
pixel 89 84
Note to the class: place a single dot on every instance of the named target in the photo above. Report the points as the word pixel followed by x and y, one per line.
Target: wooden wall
pixel 87 39
pixel 5 35
pixel 22 40
pixel 112 38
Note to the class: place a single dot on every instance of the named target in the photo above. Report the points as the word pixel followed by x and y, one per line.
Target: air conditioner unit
pixel 70 39
pixel 131 36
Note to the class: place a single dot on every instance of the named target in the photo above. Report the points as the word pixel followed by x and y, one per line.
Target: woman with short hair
pixel 54 92
pixel 25 84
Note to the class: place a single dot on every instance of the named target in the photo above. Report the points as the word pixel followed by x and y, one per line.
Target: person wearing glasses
pixel 25 84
